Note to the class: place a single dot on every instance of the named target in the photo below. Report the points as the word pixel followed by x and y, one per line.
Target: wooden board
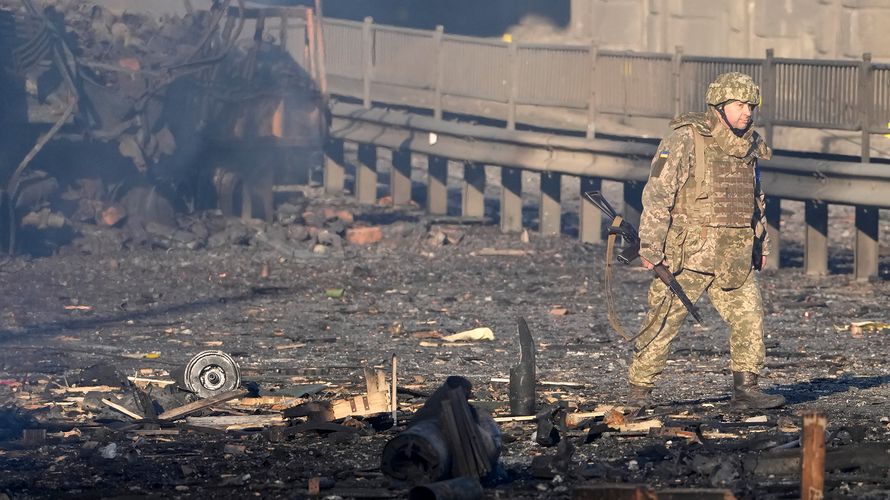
pixel 368 404
pixel 182 411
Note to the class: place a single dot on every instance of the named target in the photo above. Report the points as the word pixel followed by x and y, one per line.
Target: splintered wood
pixel 366 404
pixel 380 398
pixel 237 422
pixel 812 476
pixel 575 419
pixel 182 411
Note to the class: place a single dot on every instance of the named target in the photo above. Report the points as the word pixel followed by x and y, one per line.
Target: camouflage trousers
pixel 741 308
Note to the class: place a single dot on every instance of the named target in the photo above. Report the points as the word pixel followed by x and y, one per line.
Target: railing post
pixel 366 174
pixel 768 95
pixel 677 74
pixel 440 71
pixel 282 32
pixel 816 239
pixel 773 222
pixel 400 178
pixel 591 97
pixel 514 86
pixel 319 48
pixel 511 200
pixel 550 211
pixel 473 192
pixel 367 60
pixel 633 202
pixel 866 250
pixel 866 103
pixel 437 185
pixel 590 230
pixel 334 167
pixel 865 254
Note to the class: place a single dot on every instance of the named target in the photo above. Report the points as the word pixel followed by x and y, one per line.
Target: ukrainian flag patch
pixel 663 154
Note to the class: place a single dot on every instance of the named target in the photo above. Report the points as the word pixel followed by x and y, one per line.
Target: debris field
pixel 314 308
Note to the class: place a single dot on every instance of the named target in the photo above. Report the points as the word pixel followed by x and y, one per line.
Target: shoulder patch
pixel 658 164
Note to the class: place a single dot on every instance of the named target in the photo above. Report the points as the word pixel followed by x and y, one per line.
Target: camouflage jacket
pixel 664 233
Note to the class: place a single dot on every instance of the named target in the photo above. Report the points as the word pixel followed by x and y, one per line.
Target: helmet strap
pixel 737 131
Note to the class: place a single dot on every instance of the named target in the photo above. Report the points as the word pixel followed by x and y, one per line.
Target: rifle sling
pixel 612 313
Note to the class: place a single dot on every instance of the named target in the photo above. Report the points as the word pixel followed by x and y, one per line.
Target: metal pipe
pixel 461 488
pixel 418 454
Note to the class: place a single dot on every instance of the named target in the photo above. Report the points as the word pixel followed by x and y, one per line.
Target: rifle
pixel 629 234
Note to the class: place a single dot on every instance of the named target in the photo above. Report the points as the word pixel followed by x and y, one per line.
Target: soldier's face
pixel 738 114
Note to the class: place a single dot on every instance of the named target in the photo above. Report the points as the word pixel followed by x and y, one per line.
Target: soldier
pixel 703 217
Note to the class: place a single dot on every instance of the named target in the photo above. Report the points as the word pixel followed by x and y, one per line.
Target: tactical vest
pixel 719 191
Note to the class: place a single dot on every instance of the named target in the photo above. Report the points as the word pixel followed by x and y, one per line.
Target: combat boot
pixel 638 396
pixel 746 394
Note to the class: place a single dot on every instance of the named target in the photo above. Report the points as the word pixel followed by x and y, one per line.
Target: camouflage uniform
pixel 702 219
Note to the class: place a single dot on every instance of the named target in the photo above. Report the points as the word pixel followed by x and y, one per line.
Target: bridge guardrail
pixel 565 88
pixel 808 93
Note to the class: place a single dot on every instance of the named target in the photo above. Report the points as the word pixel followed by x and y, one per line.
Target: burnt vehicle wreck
pixel 115 119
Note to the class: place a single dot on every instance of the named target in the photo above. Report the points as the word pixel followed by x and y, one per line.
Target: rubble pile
pixel 146 113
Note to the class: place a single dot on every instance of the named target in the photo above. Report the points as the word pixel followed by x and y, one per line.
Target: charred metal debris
pixel 123 120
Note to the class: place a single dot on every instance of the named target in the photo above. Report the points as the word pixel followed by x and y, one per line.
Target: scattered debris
pixel 504 252
pixel 209 373
pixel 183 411
pixel 447 438
pixel 858 328
pixel 460 488
pixel 482 333
pixel 639 492
pixel 541 382
pixel 522 376
pixel 364 235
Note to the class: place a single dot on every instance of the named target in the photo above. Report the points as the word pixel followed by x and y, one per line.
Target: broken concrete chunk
pixel 112 215
pixel 364 235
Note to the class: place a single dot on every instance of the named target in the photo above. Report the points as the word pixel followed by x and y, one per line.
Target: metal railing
pixel 565 87
pixel 842 95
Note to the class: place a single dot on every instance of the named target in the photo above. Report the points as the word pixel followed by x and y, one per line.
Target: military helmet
pixel 733 86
